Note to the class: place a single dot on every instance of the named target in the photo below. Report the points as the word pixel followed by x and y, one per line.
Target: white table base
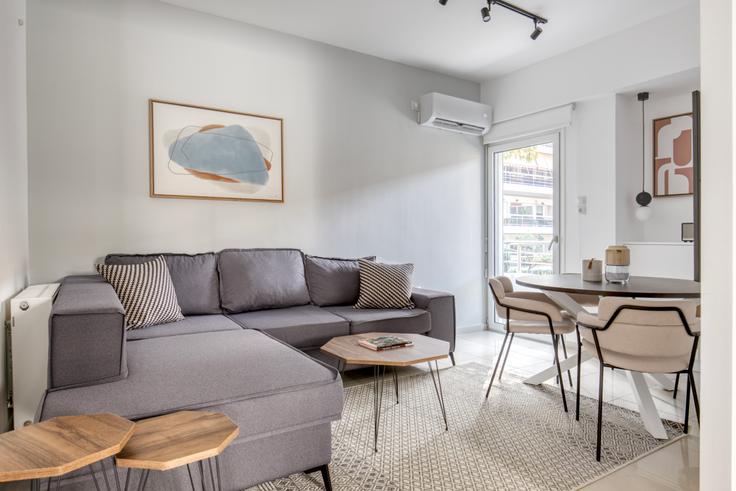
pixel 647 410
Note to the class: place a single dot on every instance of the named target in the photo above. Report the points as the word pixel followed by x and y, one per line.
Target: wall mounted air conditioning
pixel 29 350
pixel 454 114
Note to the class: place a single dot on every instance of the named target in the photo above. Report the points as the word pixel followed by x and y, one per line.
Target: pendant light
pixel 643 211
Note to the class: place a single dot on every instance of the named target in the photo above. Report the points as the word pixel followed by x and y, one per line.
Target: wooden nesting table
pixel 424 350
pixel 58 446
pixel 177 439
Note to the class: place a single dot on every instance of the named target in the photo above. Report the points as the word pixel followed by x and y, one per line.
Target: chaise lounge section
pixel 243 349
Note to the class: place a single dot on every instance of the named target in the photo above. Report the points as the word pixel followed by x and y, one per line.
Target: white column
pixel 718 228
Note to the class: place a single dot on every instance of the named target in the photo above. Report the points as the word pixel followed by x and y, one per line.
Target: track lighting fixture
pixel 537 30
pixel 485 14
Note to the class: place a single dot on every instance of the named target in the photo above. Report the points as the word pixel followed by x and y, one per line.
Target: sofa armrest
pixel 441 308
pixel 86 334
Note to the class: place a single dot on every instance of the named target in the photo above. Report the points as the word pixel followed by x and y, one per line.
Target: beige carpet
pixel 519 439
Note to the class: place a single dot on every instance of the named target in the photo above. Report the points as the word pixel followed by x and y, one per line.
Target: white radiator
pixel 29 350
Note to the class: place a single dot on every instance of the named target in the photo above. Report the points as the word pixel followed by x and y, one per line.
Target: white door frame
pixel 492 194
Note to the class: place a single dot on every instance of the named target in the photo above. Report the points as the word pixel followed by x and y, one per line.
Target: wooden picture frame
pixel 672 156
pixel 200 152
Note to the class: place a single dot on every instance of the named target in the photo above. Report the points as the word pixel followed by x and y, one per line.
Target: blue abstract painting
pixel 200 152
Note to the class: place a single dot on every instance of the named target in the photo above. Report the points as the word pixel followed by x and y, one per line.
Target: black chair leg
pixel 564 352
pixel 559 372
pixel 687 405
pixel 600 414
pixel 677 384
pixel 577 395
pixel 691 379
pixel 452 358
pixel 500 355
pixel 506 356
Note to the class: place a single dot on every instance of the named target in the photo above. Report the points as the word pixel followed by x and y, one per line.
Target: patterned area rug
pixel 519 439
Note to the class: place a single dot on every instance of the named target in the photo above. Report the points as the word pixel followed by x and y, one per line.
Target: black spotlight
pixel 537 30
pixel 443 2
pixel 485 13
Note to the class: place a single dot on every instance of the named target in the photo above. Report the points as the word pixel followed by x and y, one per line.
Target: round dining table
pixel 560 288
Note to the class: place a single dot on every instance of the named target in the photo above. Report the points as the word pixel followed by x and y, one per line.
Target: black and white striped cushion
pixel 145 290
pixel 384 286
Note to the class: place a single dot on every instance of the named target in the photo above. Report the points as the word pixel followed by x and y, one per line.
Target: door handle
pixel 555 239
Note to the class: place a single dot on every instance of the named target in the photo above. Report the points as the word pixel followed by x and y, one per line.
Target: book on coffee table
pixel 381 343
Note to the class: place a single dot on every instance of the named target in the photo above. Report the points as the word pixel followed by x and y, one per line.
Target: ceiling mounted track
pixel 485 14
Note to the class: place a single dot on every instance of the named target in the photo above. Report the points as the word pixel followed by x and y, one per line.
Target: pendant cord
pixel 643 155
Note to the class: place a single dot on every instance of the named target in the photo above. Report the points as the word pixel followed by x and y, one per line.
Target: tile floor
pixel 673 467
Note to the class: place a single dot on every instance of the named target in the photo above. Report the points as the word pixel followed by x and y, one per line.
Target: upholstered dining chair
pixel 528 312
pixel 647 336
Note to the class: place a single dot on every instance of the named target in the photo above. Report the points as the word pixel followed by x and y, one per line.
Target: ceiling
pixel 450 39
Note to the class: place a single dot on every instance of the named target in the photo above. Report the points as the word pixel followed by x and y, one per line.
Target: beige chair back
pixel 646 333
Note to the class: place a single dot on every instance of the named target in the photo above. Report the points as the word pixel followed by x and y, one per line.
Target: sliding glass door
pixel 523 202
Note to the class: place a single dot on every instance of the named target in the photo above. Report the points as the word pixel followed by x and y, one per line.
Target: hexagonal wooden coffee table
pixel 423 349
pixel 58 446
pixel 177 439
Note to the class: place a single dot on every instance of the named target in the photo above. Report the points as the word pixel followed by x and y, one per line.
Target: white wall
pixel 660 47
pixel 360 176
pixel 601 135
pixel 667 213
pixel 590 171
pixel 13 168
pixel 717 437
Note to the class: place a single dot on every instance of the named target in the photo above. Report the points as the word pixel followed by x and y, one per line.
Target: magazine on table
pixel 381 343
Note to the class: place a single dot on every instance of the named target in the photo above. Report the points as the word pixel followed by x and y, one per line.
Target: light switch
pixel 583 205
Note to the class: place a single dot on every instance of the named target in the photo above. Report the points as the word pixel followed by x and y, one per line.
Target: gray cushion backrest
pixel 256 279
pixel 333 281
pixel 194 276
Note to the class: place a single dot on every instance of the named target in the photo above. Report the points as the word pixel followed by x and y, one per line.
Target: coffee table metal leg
pixel 115 473
pixel 438 389
pixel 104 474
pixel 396 383
pixel 144 480
pixel 379 374
pixel 94 477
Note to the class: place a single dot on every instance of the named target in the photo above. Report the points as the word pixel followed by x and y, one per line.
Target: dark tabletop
pixel 638 286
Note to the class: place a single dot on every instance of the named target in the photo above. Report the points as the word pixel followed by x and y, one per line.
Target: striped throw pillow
pixel 384 286
pixel 145 290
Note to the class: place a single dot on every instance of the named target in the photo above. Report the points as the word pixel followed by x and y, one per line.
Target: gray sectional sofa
pixel 248 347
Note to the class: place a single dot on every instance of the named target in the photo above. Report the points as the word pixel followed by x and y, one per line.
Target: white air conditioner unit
pixel 454 114
pixel 29 350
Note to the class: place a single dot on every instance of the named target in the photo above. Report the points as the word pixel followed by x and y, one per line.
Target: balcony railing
pixel 539 178
pixel 527 257
pixel 527 221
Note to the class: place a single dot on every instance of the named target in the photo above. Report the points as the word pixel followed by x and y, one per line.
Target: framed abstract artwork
pixel 205 153
pixel 673 155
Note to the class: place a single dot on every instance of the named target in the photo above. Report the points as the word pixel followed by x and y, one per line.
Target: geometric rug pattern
pixel 518 439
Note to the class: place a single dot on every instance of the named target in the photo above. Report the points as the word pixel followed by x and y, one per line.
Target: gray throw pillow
pixel 146 292
pixel 384 286
pixel 333 281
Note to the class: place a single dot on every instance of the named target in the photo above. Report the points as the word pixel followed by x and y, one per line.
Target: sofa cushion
pixel 305 326
pixel 416 321
pixel 146 292
pixel 265 386
pixel 192 324
pixel 256 279
pixel 333 281
pixel 194 276
pixel 384 286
